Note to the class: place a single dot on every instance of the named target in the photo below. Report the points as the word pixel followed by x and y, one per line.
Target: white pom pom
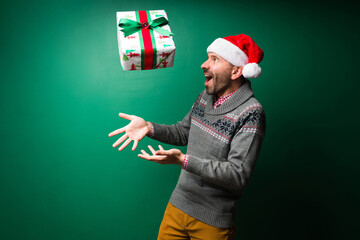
pixel 251 70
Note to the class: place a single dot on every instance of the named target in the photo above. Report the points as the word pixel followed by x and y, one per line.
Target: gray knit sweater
pixel 223 145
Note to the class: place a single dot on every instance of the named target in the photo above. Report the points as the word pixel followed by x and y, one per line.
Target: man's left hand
pixel 172 156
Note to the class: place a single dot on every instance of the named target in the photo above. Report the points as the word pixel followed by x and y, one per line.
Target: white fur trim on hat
pixel 251 70
pixel 229 52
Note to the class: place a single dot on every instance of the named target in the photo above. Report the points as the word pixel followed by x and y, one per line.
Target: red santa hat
pixel 239 50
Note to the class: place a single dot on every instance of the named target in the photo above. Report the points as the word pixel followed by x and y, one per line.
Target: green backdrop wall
pixel 62 88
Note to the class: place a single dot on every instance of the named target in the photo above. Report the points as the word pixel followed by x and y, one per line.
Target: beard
pixel 220 83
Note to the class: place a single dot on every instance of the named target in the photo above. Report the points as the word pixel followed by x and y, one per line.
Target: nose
pixel 205 65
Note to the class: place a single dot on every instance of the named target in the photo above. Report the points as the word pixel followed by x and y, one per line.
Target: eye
pixel 215 59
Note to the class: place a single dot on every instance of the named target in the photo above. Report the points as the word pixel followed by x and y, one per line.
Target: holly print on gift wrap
pixel 134 67
pixel 131 37
pixel 158 14
pixel 160 63
pixel 164 63
pixel 164 55
pixel 131 53
pixel 125 58
pixel 167 45
pixel 162 37
pixel 128 16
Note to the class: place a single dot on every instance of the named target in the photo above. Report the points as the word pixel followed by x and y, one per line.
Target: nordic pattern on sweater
pixel 223 128
pixel 223 145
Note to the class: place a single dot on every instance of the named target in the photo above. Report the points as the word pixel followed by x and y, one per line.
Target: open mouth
pixel 208 78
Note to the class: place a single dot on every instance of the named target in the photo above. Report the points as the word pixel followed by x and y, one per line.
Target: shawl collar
pixel 239 97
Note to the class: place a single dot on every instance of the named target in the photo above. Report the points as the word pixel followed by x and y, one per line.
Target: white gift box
pixel 145 48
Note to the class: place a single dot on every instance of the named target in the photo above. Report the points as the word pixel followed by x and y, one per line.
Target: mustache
pixel 208 72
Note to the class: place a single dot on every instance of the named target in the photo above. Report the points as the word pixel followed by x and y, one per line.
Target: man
pixel 223 133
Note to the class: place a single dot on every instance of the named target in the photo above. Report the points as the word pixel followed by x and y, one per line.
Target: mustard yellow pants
pixel 178 225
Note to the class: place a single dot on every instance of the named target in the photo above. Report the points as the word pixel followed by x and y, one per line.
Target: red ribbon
pixel 148 47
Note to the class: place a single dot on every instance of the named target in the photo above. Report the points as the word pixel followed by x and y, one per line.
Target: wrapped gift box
pixel 145 40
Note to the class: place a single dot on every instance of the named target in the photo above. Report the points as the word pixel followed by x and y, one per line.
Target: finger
pixel 142 156
pixel 161 148
pixel 135 144
pixel 144 153
pixel 152 158
pixel 146 156
pixel 126 116
pixel 159 158
pixel 152 150
pixel 120 140
pixel 125 144
pixel 161 152
pixel 120 130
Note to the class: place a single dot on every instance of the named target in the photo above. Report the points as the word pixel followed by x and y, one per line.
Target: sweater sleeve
pixel 176 134
pixel 234 173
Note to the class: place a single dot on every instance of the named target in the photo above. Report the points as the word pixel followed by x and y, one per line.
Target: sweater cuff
pixel 151 133
pixel 193 164
pixel 185 163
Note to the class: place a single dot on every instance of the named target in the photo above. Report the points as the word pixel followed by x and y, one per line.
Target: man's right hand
pixel 136 130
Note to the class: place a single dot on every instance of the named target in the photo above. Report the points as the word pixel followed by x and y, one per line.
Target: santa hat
pixel 239 50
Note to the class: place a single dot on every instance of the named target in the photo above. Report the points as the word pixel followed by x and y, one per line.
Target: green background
pixel 62 87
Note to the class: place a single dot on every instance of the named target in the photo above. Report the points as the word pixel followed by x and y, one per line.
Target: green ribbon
pixel 130 26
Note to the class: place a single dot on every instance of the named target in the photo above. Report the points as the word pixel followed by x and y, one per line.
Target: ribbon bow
pixel 130 26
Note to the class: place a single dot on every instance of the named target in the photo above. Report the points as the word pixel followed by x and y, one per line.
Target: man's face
pixel 217 72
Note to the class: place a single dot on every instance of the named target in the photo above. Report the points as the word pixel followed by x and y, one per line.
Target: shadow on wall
pixel 295 192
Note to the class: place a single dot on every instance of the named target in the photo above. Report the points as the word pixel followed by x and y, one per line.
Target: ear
pixel 236 72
